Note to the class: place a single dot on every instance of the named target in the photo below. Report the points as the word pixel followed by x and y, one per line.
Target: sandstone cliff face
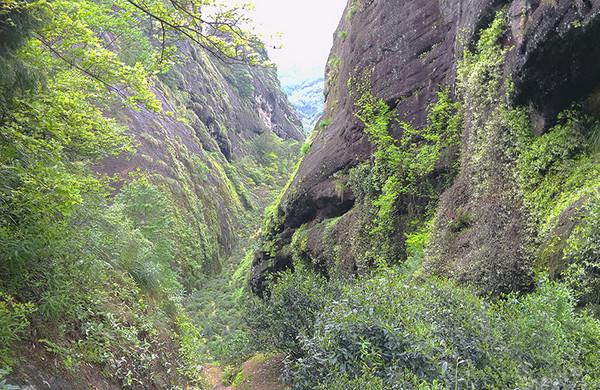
pixel 227 136
pixel 411 49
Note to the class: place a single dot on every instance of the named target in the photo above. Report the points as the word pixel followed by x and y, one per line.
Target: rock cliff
pixel 481 231
pixel 227 136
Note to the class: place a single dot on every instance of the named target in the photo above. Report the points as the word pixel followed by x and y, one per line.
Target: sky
pixel 305 30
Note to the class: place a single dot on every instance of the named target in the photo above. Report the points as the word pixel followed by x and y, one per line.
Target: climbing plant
pixel 402 173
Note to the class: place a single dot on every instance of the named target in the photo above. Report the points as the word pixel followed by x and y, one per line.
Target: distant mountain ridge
pixel 308 100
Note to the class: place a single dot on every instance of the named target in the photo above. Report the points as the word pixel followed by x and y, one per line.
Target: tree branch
pixel 76 66
pixel 195 34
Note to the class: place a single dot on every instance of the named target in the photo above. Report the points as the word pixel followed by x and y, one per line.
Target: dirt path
pixel 214 376
pixel 257 373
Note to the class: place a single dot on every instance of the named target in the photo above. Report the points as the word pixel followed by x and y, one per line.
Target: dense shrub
pixel 582 254
pixel 559 176
pixel 343 382
pixel 559 167
pixel 289 310
pixel 431 333
pixel 218 309
pixel 13 322
pixel 102 283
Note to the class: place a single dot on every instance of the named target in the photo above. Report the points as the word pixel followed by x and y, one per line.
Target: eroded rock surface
pixel 411 49
pixel 222 125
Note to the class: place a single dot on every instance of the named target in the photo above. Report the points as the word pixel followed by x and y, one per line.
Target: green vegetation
pixel 582 253
pixel 97 271
pixel 291 309
pixel 559 173
pixel 332 74
pixel 399 188
pixel 271 223
pixel 304 148
pixel 559 167
pixel 334 63
pixel 102 256
pixel 353 9
pixel 242 80
pixel 218 309
pixel 402 166
pixel 482 88
pixel 64 257
pixel 13 323
pixel 394 329
pixel 324 123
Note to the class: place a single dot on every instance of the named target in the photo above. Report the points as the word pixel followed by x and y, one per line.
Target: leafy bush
pixel 217 309
pixel 13 323
pixel 343 382
pixel 103 285
pixel 559 167
pixel 289 310
pixel 394 331
pixel 402 165
pixel 324 123
pixel 304 148
pixel 559 175
pixel 191 345
pixel 582 255
pixel 149 217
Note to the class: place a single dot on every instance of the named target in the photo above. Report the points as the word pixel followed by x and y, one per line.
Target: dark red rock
pixel 412 49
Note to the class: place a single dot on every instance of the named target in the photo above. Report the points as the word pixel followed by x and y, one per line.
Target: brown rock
pixel 412 49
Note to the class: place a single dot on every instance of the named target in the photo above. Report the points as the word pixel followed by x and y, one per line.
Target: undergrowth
pixel 395 329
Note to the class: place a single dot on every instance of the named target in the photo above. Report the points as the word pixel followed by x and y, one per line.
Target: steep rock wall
pixel 226 137
pixel 411 49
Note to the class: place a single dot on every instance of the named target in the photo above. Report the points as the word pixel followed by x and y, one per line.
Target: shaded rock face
pixel 219 121
pixel 557 52
pixel 412 49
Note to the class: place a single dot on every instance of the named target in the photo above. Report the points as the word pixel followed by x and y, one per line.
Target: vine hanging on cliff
pixel 403 166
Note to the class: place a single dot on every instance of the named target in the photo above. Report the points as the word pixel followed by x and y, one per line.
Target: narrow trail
pixel 217 310
pixel 257 373
pixel 214 376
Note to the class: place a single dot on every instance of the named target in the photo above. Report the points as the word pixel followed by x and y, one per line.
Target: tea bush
pixel 431 333
pixel 289 310
pixel 13 323
pixel 396 329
